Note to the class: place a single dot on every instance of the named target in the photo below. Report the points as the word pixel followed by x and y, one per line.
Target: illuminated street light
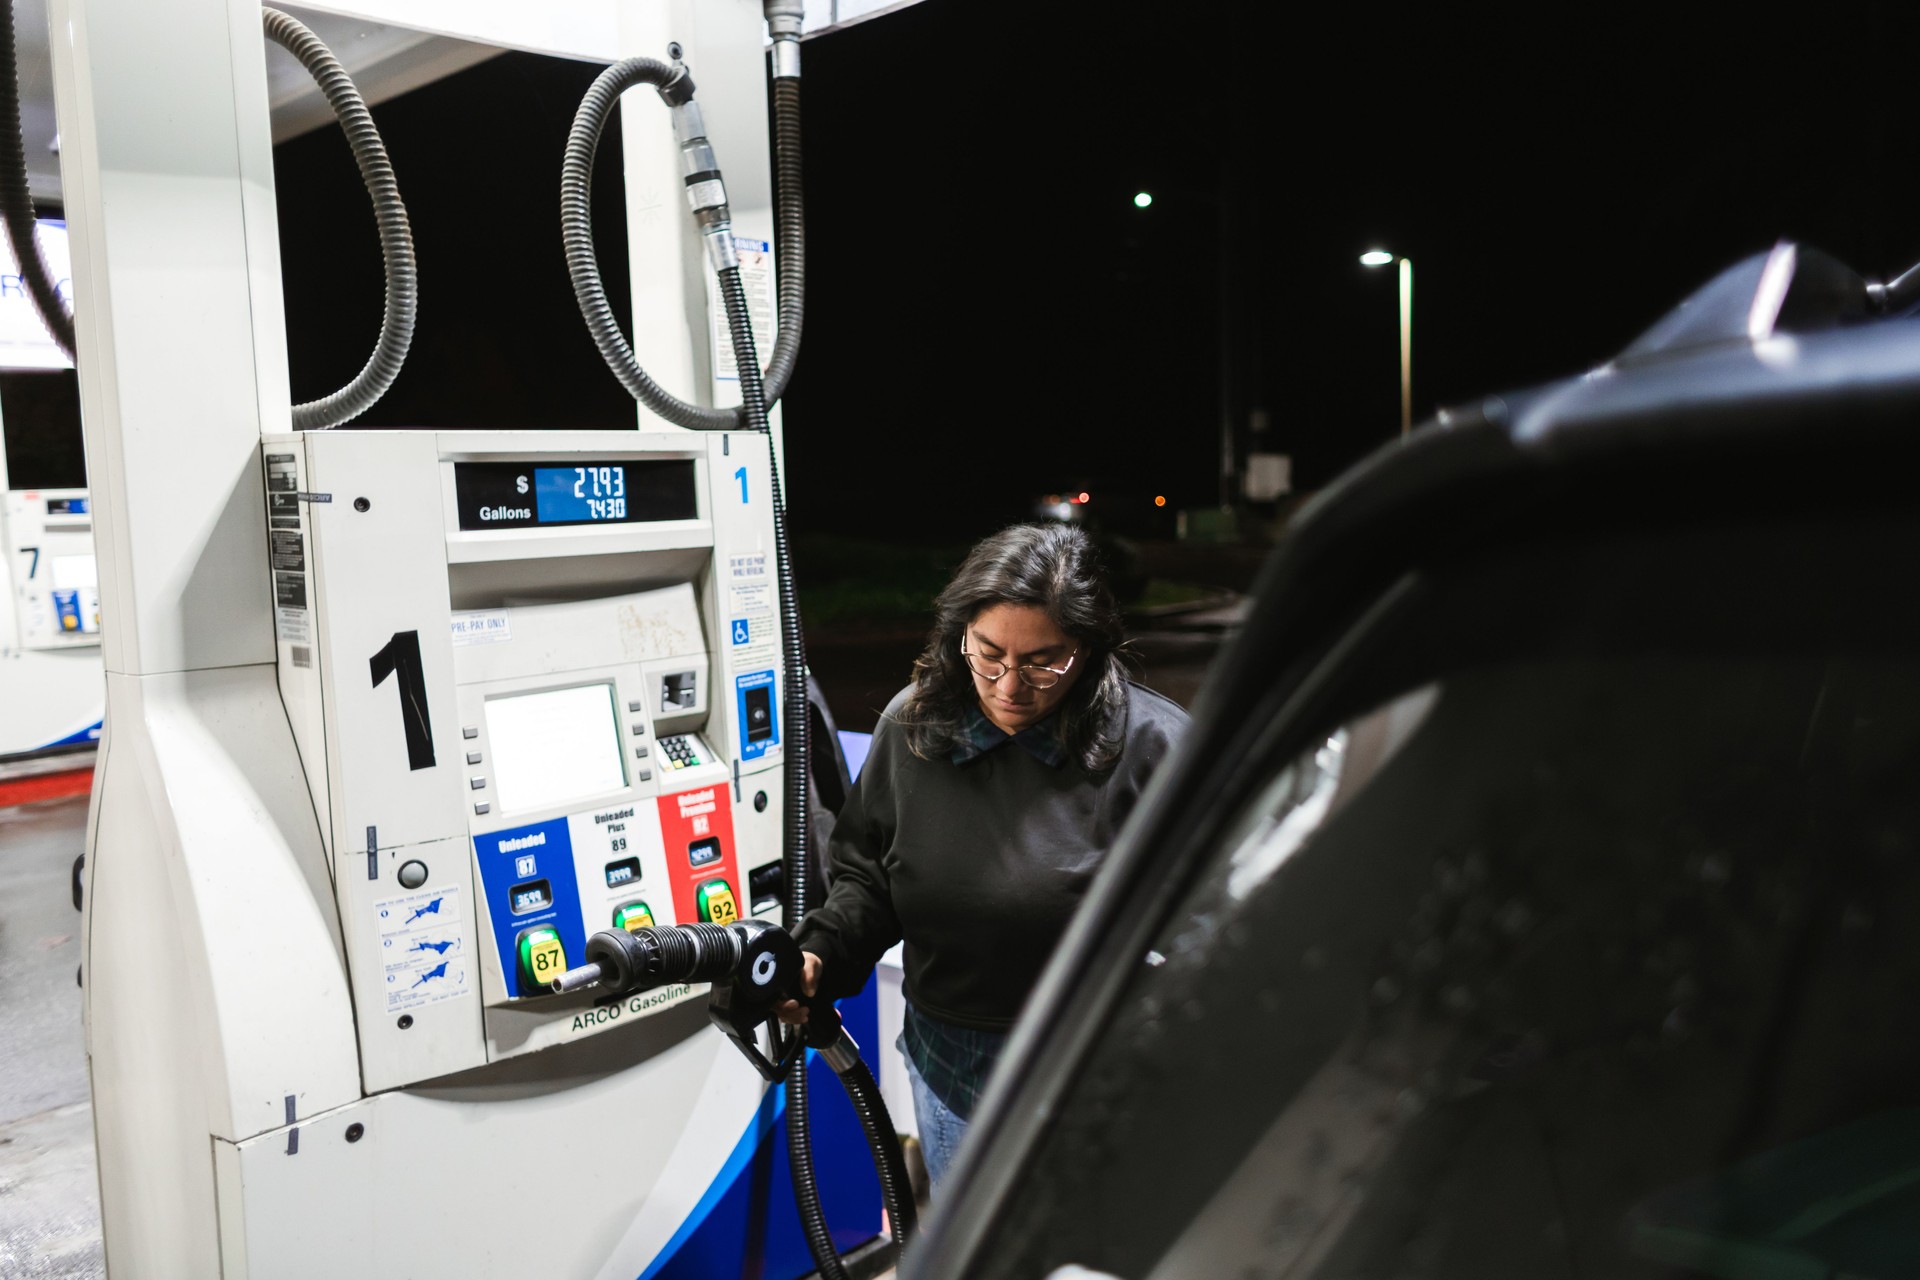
pixel 1142 199
pixel 1380 258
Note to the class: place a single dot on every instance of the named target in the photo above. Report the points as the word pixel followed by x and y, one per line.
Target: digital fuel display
pixel 554 492
pixel 534 895
pixel 580 495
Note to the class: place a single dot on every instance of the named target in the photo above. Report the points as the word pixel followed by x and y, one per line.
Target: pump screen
pixel 533 494
pixel 554 746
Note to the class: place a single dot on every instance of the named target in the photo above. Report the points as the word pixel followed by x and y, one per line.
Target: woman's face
pixel 1019 635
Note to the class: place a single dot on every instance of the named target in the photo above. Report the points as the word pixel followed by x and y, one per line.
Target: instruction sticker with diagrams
pixel 421 948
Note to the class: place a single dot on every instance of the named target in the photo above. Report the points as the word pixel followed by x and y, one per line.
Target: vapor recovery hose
pixel 576 227
pixel 16 201
pixel 396 236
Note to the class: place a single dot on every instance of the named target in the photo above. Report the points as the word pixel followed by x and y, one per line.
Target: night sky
pixel 990 317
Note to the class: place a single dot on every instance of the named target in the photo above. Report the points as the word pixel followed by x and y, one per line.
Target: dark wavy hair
pixel 1056 567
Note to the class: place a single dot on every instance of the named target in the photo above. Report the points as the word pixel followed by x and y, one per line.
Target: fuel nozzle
pixel 629 961
pixel 753 966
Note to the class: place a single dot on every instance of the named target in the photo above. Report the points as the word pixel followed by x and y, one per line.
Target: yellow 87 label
pixel 543 957
pixel 549 959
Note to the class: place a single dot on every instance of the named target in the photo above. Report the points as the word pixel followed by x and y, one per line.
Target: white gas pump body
pixel 334 702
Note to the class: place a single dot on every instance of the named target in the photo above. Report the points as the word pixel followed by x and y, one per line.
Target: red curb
pixel 46 786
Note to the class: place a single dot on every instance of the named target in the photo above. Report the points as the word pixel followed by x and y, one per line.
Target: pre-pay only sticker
pixel 484 626
pixel 423 957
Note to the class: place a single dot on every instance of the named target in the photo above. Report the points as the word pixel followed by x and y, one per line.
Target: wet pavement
pixel 49 1197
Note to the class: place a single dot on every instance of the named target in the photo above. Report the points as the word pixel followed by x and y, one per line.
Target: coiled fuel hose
pixel 16 202
pixel 396 236
pixel 706 195
pixel 396 239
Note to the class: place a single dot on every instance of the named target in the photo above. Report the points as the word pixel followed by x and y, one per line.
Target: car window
pixel 1597 965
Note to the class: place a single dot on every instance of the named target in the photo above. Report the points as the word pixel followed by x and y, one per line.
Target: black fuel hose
pixel 16 201
pixel 796 842
pixel 389 211
pixel 895 1189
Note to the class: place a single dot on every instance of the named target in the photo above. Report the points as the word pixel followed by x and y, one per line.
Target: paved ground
pixel 49 1201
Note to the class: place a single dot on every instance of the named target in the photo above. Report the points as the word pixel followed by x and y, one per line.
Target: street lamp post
pixel 1380 258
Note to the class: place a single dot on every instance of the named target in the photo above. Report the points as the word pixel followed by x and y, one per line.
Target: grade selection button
pixel 716 902
pixel 543 957
pixel 632 916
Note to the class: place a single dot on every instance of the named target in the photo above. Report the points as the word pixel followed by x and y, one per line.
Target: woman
pixel 996 783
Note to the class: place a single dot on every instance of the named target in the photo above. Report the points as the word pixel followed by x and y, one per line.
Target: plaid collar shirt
pixel 980 735
pixel 954 1061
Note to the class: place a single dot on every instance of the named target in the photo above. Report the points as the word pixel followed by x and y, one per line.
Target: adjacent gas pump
pixel 51 682
pixel 399 719
pixel 50 677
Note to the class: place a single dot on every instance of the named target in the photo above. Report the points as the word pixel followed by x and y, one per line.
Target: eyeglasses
pixel 1033 676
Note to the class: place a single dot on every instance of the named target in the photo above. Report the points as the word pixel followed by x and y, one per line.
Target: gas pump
pixel 532 677
pixel 398 720
pixel 51 682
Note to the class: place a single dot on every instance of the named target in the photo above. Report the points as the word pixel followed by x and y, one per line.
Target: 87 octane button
pixel 543 957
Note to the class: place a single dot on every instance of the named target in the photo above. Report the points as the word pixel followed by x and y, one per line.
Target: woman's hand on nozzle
pixel 793 1011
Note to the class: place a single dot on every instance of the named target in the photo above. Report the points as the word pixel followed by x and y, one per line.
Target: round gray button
pixel 413 874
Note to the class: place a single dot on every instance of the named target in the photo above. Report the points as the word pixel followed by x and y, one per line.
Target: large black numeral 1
pixel 402 654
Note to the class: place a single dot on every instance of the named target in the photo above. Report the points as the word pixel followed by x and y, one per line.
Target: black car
pixel 1538 893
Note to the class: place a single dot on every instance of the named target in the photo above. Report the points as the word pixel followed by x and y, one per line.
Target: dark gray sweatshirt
pixel 977 865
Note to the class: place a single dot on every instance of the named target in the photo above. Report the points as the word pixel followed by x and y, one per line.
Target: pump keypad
pixel 682 752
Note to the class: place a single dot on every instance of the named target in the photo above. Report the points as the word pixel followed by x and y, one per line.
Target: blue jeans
pixel 940 1129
